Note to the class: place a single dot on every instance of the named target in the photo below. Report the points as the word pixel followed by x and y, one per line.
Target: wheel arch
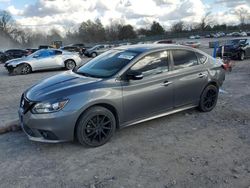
pixel 211 82
pixel 105 105
pixel 69 59
pixel 94 52
pixel 23 63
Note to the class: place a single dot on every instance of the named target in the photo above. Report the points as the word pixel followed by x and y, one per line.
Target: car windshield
pixel 236 41
pixel 107 64
pixel 94 47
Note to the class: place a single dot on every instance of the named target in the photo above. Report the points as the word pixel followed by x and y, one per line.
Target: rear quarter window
pixel 201 58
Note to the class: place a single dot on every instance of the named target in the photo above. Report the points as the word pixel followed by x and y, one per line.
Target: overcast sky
pixel 64 14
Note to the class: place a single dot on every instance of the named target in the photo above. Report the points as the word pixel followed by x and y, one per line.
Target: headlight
pixel 41 108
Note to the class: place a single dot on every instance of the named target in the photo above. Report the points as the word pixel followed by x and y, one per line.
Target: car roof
pixel 141 48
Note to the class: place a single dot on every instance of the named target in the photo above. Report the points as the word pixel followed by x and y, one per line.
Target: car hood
pixel 60 86
pixel 16 61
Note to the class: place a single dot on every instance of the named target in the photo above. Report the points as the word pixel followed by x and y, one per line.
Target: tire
pixel 94 54
pixel 241 55
pixel 95 127
pixel 70 64
pixel 24 69
pixel 208 98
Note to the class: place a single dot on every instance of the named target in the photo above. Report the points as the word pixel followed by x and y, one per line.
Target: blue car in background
pixel 235 49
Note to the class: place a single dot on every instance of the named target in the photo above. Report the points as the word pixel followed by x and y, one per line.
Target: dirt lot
pixel 189 149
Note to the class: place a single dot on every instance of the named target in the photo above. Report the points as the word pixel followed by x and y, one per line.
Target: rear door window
pixel 57 52
pixel 184 59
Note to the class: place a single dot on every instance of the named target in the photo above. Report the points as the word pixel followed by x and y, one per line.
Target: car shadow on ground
pixel 120 136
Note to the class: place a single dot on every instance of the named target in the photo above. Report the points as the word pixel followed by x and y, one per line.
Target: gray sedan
pixel 121 87
pixel 43 59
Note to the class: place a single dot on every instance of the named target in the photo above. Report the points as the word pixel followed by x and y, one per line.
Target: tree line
pixel 94 31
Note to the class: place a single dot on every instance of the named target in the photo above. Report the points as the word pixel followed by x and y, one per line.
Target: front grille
pixel 25 104
pixel 9 68
pixel 48 135
pixel 28 131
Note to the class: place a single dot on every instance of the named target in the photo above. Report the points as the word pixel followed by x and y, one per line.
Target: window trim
pixel 148 53
pixel 172 59
pixel 199 59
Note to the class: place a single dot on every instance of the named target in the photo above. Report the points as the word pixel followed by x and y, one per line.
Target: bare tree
pixel 178 27
pixel 206 21
pixel 6 21
pixel 9 29
pixel 242 15
pixel 112 30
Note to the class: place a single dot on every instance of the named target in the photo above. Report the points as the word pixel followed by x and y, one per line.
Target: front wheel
pixel 24 69
pixel 208 98
pixel 93 54
pixel 241 56
pixel 96 126
pixel 70 64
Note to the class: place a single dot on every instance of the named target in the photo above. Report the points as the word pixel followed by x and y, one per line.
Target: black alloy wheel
pixel 96 126
pixel 70 64
pixel 25 69
pixel 208 98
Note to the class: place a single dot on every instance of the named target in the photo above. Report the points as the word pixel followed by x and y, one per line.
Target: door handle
pixel 201 75
pixel 166 83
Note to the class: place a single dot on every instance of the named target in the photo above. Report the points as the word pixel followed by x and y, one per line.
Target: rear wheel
pixel 208 98
pixel 24 69
pixel 70 64
pixel 95 127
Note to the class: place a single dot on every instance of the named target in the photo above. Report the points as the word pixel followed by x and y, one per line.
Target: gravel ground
pixel 188 149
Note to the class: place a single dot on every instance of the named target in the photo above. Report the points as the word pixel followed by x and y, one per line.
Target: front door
pixel 152 94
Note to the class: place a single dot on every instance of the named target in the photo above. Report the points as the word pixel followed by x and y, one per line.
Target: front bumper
pixel 9 68
pixel 49 128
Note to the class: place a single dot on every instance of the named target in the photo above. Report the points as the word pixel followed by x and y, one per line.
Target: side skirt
pixel 159 115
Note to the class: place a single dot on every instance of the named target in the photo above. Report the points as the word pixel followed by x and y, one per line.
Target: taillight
pixel 224 66
pixel 227 67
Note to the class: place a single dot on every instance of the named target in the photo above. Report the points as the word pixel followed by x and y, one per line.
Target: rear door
pixel 154 93
pixel 189 77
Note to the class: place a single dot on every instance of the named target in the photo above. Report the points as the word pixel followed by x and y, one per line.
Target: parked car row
pixel 195 37
pixel 215 35
pixel 222 34
pixel 239 34
pixel 12 54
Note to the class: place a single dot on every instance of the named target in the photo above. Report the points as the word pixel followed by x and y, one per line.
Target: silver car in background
pixel 42 60
pixel 97 50
pixel 121 87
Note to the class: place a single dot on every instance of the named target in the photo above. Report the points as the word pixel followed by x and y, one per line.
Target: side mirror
pixel 35 56
pixel 134 75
